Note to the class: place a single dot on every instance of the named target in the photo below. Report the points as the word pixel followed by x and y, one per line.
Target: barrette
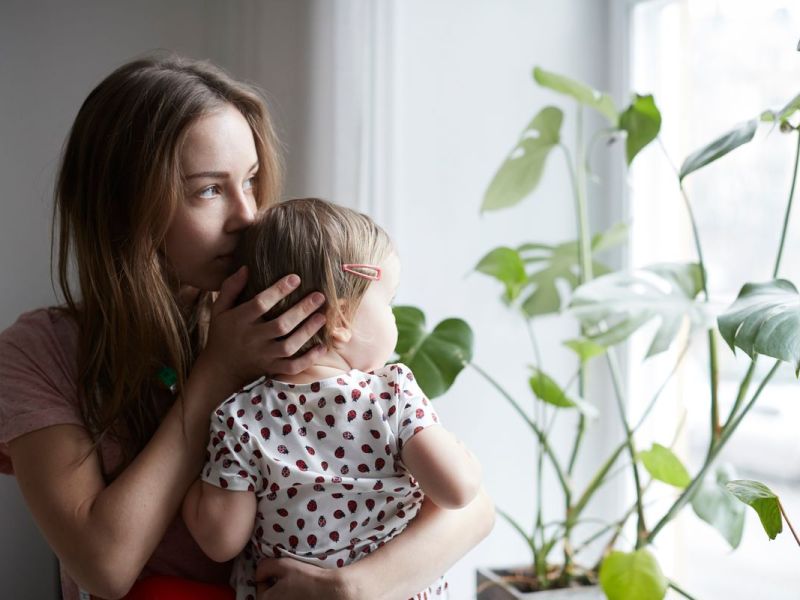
pixel 351 268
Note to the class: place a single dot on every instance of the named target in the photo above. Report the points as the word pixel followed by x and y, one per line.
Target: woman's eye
pixel 212 191
pixel 250 183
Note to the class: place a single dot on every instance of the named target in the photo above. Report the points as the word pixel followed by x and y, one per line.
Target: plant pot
pixel 493 585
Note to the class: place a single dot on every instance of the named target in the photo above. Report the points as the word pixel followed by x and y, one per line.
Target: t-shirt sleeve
pixel 414 411
pixel 38 388
pixel 231 456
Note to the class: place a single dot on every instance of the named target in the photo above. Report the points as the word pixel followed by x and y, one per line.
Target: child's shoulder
pixel 394 371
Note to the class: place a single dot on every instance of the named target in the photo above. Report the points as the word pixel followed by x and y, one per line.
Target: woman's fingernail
pixel 317 298
pixel 293 280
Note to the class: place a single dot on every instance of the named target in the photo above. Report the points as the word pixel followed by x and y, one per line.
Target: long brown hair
pixel 313 238
pixel 119 184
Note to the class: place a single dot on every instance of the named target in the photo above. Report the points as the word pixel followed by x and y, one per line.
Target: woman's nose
pixel 242 212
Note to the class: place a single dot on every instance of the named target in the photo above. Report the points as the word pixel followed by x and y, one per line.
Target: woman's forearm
pixel 432 543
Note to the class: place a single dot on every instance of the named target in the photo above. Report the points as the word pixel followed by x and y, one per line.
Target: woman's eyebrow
pixel 217 174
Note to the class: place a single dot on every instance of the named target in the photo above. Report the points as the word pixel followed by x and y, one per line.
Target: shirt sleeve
pixel 414 411
pixel 231 456
pixel 38 383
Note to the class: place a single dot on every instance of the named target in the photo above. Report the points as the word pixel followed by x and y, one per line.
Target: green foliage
pixel 662 464
pixel 547 390
pixel 784 113
pixel 614 306
pixel 642 122
pixel 718 148
pixel 519 175
pixel 585 95
pixel 632 576
pixel 717 507
pixel 765 319
pixel 435 357
pixel 763 500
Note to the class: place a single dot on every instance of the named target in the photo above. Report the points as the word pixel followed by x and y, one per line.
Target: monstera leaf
pixel 435 357
pixel 632 576
pixel 538 267
pixel 717 507
pixel 519 175
pixel 765 319
pixel 763 500
pixel 587 96
pixel 614 306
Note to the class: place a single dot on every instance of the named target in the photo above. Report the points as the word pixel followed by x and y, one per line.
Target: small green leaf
pixel 585 349
pixel 663 465
pixel 714 505
pixel 519 175
pixel 718 148
pixel 763 500
pixel 642 122
pixel 436 358
pixel 632 576
pixel 783 114
pixel 602 103
pixel 505 265
pixel 765 319
pixel 547 390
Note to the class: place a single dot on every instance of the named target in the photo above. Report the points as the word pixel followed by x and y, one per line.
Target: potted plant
pixel 608 307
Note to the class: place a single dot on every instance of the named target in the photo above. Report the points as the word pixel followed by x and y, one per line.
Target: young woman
pixel 105 402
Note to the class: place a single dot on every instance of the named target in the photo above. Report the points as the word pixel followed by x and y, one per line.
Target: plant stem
pixel 727 431
pixel 641 528
pixel 565 485
pixel 683 593
pixel 788 209
pixel 788 522
pixel 538 527
pixel 716 428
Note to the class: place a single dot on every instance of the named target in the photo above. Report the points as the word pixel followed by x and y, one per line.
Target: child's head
pixel 327 246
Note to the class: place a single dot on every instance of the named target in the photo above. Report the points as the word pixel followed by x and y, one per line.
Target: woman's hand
pixel 289 579
pixel 241 347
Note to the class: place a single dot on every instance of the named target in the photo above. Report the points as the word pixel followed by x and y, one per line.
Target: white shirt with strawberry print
pixel 323 459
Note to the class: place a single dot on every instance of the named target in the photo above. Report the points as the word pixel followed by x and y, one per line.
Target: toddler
pixel 328 464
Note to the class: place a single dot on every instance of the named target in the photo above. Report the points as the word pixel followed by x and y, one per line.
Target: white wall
pixel 460 93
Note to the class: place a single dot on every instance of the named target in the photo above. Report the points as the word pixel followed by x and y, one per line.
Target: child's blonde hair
pixel 313 239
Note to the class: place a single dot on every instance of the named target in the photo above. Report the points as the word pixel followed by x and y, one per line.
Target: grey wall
pixel 461 93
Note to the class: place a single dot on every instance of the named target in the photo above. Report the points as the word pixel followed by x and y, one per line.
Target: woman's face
pixel 219 163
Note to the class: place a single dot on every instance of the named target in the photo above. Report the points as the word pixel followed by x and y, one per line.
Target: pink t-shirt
pixel 38 368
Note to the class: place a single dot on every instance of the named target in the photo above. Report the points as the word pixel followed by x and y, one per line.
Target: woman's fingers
pixel 262 302
pixel 231 288
pixel 288 345
pixel 293 366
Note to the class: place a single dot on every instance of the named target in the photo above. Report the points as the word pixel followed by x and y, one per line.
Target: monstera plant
pixel 568 280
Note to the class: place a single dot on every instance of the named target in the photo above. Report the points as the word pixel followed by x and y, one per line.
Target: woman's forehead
pixel 221 141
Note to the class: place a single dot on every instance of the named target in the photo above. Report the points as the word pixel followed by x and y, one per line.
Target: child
pixel 328 464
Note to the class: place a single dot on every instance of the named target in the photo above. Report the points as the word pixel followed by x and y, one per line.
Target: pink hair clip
pixel 349 268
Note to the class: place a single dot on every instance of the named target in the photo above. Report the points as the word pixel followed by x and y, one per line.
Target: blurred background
pixel 405 110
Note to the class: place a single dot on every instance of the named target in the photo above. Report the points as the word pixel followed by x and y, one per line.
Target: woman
pixel 167 163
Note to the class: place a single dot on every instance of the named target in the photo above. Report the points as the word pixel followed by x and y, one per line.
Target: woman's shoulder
pixel 39 330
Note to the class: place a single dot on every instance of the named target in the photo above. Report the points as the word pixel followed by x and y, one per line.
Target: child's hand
pixel 241 347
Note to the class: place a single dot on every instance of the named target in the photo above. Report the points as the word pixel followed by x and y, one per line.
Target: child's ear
pixel 340 334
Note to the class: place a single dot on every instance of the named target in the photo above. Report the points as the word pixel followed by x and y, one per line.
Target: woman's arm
pixel 105 534
pixel 220 521
pixel 432 543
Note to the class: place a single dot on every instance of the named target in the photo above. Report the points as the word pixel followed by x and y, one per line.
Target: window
pixel 712 65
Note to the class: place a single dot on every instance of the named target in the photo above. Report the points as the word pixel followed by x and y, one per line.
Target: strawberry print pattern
pixel 324 462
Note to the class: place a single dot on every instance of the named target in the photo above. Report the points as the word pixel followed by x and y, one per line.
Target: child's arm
pixel 219 520
pixel 445 469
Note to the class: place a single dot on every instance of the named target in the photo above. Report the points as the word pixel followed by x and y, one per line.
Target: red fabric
pixel 161 587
